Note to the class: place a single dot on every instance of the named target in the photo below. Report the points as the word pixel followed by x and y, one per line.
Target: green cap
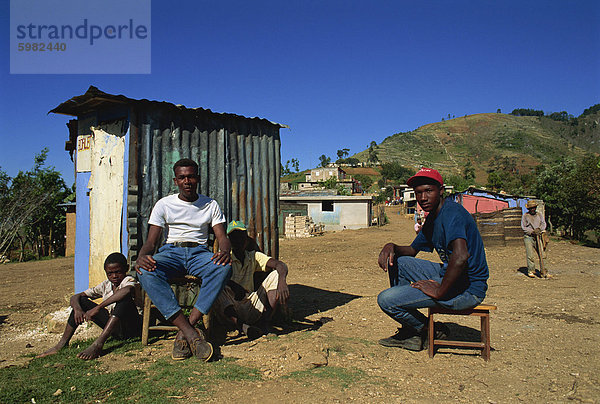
pixel 235 225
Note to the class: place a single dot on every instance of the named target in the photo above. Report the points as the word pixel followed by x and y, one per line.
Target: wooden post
pixel 540 251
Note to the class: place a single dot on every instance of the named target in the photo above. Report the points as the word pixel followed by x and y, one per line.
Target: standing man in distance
pixel 458 283
pixel 533 224
pixel 186 216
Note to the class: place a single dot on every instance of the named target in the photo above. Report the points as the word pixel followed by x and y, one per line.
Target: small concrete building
pixel 325 173
pixel 336 212
pixel 317 176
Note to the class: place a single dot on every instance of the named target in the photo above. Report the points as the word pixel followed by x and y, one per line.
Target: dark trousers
pixel 130 323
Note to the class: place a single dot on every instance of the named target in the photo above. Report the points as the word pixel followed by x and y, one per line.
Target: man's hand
pixel 386 256
pixel 221 257
pixel 79 316
pixel 91 313
pixel 429 287
pixel 145 262
pixel 537 231
pixel 283 292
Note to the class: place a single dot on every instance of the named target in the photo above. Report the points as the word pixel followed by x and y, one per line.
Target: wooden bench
pixel 483 311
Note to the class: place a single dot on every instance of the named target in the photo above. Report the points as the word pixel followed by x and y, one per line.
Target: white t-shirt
pixel 186 221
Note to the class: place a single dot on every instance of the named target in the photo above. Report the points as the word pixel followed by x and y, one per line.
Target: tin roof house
pixel 124 150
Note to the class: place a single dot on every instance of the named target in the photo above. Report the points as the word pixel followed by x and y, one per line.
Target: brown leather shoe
pixel 181 350
pixel 200 348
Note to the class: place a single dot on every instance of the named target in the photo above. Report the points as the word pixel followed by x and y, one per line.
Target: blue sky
pixel 339 73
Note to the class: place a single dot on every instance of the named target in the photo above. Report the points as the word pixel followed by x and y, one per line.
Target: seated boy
pixel 117 314
pixel 238 303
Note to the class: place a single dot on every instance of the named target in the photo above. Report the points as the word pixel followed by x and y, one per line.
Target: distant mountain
pixel 485 139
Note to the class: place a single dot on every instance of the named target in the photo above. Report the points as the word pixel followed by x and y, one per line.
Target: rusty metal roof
pixel 95 99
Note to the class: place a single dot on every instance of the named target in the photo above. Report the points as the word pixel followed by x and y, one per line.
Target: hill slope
pixel 485 139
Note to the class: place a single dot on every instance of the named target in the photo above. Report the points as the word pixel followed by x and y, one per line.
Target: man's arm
pixel 389 253
pixel 144 259
pixel 456 265
pixel 117 296
pixel 283 292
pixel 223 256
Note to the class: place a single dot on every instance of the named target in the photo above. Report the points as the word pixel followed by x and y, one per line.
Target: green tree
pixel 324 160
pixel 469 171
pixel 495 181
pixel 351 161
pixel 591 110
pixel 341 154
pixel 291 166
pixel 571 193
pixel 384 195
pixel 329 183
pixel 30 212
pixel 285 169
pixel 365 181
pixel 527 112
pixel 396 173
pixel 295 164
pixel 458 182
pixel 372 156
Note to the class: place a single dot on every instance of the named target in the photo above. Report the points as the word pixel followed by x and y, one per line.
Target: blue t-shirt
pixel 454 222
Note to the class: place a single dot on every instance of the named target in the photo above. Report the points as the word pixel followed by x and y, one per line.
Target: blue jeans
pixel 401 300
pixel 176 262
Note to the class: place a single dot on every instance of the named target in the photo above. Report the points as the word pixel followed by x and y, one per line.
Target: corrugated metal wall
pixel 238 158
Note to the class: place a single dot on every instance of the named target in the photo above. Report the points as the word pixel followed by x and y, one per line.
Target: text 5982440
pixel 42 47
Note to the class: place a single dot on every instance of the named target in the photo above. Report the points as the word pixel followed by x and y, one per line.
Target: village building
pixel 335 212
pixel 316 177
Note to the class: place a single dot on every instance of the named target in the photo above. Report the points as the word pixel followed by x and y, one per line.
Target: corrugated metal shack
pixel 124 150
pixel 498 215
pixel 477 200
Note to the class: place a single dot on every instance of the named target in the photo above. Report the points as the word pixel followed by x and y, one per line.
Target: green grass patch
pixel 89 381
pixel 337 376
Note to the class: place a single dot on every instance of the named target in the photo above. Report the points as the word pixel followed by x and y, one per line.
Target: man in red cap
pixel 458 283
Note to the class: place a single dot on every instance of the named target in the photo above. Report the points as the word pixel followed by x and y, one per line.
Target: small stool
pixel 483 311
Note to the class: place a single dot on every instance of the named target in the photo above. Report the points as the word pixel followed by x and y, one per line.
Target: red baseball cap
pixel 425 173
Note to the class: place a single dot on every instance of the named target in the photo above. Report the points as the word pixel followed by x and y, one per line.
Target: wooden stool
pixel 188 280
pixel 483 311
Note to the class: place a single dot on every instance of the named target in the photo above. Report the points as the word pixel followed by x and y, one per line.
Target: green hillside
pixel 486 139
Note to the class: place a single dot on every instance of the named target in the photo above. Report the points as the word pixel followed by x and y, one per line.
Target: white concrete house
pixel 336 212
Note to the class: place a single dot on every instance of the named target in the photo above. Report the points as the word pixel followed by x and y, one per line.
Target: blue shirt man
pixel 458 283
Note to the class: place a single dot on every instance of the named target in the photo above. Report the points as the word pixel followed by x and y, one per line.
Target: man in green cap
pixel 239 303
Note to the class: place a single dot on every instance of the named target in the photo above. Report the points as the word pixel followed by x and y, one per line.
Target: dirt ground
pixel 545 333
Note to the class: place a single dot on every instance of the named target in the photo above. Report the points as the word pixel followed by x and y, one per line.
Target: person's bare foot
pixel 92 352
pixel 52 351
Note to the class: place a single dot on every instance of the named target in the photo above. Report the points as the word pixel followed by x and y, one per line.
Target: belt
pixel 190 244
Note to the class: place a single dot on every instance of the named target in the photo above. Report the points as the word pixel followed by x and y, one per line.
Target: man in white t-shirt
pixel 186 217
